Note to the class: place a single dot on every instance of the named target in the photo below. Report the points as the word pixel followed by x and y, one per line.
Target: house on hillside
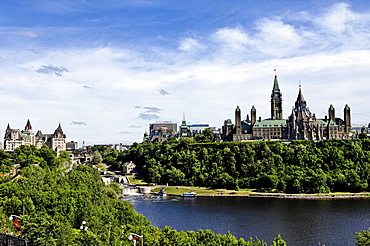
pixel 128 167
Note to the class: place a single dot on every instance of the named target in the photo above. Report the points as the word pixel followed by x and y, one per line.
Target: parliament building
pixel 301 124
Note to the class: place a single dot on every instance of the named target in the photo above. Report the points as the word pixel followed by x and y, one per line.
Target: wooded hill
pixel 291 166
pixel 53 202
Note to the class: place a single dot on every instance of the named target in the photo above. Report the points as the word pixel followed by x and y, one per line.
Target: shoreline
pixel 286 196
pixel 202 192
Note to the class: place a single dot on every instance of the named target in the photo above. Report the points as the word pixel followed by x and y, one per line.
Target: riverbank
pixel 298 221
pixel 205 192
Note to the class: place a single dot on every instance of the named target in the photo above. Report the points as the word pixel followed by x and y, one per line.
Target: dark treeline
pixel 291 167
pixel 53 201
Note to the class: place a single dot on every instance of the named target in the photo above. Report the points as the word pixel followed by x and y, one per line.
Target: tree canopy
pixel 291 167
pixel 53 203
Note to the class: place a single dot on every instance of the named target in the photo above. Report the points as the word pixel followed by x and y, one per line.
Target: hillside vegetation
pixel 290 167
pixel 54 202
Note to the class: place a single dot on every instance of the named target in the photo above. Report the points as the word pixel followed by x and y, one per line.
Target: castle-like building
pixel 300 125
pixel 14 138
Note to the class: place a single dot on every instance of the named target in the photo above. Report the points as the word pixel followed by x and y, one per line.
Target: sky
pixel 107 69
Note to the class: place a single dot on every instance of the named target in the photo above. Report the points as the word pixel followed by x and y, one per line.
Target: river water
pixel 299 222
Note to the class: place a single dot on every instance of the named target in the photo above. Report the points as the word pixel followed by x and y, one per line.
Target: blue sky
pixel 106 69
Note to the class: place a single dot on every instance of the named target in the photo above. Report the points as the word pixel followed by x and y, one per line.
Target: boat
pixel 162 192
pixel 189 194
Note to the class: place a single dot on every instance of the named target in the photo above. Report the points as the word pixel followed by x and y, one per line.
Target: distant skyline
pixel 106 69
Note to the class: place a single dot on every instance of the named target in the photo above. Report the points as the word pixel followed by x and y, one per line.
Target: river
pixel 299 222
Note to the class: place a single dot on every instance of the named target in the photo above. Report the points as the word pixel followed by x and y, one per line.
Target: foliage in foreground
pixel 292 167
pixel 53 205
pixel 363 238
pixel 27 155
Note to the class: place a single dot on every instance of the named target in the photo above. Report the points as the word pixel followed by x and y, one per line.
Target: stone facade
pixel 128 167
pixel 300 125
pixel 15 138
pixel 160 131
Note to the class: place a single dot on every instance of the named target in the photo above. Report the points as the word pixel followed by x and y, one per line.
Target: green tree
pixel 207 136
pixel 97 158
pixel 5 163
pixel 278 241
pixel 362 136
pixel 363 238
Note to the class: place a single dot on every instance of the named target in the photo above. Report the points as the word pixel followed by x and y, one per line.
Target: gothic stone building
pixel 14 138
pixel 300 125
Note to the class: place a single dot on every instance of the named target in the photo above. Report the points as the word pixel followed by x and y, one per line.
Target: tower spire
pixel 28 125
pixel 183 123
pixel 300 97
pixel 276 85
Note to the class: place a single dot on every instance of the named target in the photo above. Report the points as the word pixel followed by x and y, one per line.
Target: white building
pixel 15 138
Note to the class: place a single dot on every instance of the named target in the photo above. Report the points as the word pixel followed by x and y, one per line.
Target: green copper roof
pixel 276 85
pixel 253 108
pixel 237 108
pixel 324 123
pixel 347 107
pixel 269 123
pixel 229 122
pixel 26 137
pixel 331 107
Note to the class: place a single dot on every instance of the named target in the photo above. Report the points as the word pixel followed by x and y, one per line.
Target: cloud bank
pixel 204 72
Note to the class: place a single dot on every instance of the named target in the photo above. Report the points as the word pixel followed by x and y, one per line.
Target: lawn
pixel 199 190
pixel 137 180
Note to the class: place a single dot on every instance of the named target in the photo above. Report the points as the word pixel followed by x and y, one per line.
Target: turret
pixel 238 121
pixel 347 119
pixel 253 115
pixel 331 113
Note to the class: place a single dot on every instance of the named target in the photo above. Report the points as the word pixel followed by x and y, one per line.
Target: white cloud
pixel 207 91
pixel 277 38
pixel 28 34
pixel 339 19
pixel 118 89
pixel 190 44
pixel 232 38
